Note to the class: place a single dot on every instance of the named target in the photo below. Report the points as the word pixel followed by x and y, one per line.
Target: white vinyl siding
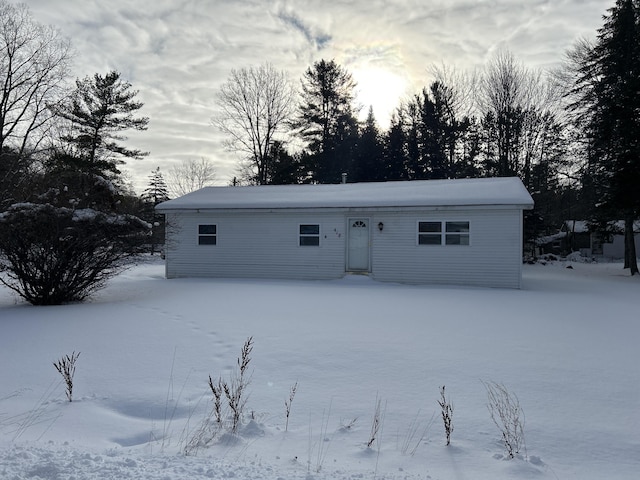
pixel 492 258
pixel 258 245
pixel 266 244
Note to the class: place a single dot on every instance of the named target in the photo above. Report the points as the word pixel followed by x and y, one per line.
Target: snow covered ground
pixel 566 345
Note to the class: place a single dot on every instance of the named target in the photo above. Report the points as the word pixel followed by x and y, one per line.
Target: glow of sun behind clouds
pixel 380 88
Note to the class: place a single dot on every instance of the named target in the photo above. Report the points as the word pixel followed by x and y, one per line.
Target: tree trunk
pixel 630 255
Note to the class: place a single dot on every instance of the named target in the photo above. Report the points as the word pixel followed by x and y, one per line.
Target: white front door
pixel 358 251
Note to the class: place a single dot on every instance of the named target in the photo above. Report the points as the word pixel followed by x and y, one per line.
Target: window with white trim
pixel 457 233
pixel 429 233
pixel 443 233
pixel 207 234
pixel 309 235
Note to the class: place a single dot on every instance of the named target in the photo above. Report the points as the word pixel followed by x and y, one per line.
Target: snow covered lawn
pixel 566 345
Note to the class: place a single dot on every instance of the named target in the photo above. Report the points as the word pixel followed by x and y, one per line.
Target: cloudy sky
pixel 178 52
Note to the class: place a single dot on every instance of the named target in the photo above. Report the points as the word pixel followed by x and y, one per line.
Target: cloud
pixel 318 39
pixel 178 52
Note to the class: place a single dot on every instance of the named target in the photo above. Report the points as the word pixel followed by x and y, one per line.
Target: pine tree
pixel 395 157
pixel 327 120
pixel 434 136
pixel 608 95
pixel 411 120
pixel 369 159
pixel 102 107
pixel 283 167
pixel 157 192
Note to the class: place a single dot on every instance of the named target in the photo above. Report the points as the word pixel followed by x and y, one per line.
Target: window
pixel 429 233
pixel 457 233
pixel 309 235
pixel 443 233
pixel 207 234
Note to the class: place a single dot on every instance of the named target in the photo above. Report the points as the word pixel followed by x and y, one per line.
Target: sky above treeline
pixel 177 53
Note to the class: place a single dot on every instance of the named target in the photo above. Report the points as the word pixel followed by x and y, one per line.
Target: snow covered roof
pixel 417 193
pixel 576 226
pixel 583 226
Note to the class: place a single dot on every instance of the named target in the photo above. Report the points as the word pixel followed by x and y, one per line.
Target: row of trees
pixel 506 122
pixel 571 135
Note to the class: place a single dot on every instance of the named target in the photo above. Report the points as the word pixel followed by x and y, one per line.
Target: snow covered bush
pixel 51 255
pixel 507 414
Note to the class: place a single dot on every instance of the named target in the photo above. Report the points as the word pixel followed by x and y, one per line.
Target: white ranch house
pixel 461 232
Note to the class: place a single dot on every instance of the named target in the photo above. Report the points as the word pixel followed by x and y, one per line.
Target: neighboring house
pixel 591 242
pixel 464 232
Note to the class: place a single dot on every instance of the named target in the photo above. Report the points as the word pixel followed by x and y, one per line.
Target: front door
pixel 358 251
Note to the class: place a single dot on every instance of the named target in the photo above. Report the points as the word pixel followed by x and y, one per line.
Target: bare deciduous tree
pixel 34 66
pixel 189 176
pixel 33 71
pixel 462 87
pixel 521 105
pixel 255 105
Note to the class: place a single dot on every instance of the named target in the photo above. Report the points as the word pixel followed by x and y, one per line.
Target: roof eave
pixel 475 206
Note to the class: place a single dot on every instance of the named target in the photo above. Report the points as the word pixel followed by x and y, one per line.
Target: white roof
pixel 576 226
pixel 417 193
pixel 583 226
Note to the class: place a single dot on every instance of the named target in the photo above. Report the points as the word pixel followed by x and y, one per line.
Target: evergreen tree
pixel 443 131
pixel 369 160
pixel 101 108
pixel 15 171
pixel 502 135
pixel 411 121
pixel 395 157
pixel 608 97
pixel 437 142
pixel 468 150
pixel 283 167
pixel 157 192
pixel 327 120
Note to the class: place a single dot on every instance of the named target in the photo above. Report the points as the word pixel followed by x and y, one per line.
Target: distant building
pixel 579 236
pixel 461 232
